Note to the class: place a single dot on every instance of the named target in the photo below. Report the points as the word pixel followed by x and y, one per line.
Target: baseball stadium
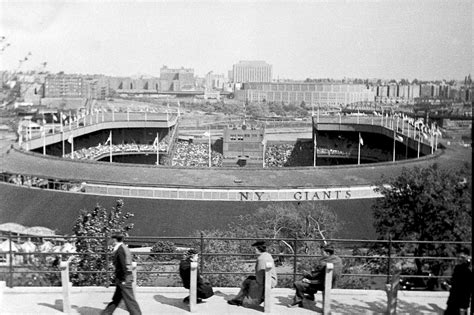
pixel 178 179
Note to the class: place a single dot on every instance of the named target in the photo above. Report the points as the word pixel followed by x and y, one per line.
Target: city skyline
pixel 369 39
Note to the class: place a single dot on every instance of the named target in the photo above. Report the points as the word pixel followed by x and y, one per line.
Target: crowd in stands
pixel 277 155
pixel 93 153
pixel 43 183
pixel 293 155
pixel 195 155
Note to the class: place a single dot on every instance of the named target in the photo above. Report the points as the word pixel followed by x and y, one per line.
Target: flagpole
pixel 395 130
pixel 394 143
pixel 419 136
pixel 263 159
pixel 358 151
pixel 72 147
pixel 406 146
pixel 61 122
pixel 20 135
pixel 110 145
pixel 432 142
pixel 62 139
pixel 44 142
pixel 210 162
pixel 157 150
pixel 315 149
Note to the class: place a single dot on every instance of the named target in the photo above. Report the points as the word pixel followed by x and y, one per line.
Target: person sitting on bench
pixel 252 289
pixel 314 282
pixel 204 289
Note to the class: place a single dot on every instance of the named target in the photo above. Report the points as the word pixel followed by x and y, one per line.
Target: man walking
pixel 122 259
pixel 314 282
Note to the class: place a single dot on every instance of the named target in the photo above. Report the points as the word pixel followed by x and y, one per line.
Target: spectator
pixel 195 155
pixel 252 289
pixel 460 292
pixel 204 289
pixel 314 282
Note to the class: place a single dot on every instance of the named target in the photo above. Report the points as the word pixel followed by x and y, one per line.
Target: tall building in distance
pixel 333 94
pixel 251 71
pixel 176 79
pixel 75 86
pixel 63 85
pixel 215 81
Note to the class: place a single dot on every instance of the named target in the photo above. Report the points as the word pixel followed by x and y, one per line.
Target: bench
pixel 327 288
pixel 392 291
pixel 268 288
pixel 66 285
pixel 193 288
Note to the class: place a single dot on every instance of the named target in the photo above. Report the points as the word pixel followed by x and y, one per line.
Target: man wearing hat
pixel 253 288
pixel 460 292
pixel 122 259
pixel 314 282
pixel 204 290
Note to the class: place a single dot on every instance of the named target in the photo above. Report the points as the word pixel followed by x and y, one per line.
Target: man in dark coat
pixel 461 285
pixel 122 259
pixel 314 282
pixel 204 290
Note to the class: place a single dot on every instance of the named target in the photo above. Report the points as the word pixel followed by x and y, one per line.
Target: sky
pixel 423 39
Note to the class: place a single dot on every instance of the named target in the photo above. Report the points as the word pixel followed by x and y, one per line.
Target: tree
pixel 90 229
pixel 426 204
pixel 278 220
pixel 287 221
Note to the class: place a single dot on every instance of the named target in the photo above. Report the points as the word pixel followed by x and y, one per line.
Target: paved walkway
pixel 162 300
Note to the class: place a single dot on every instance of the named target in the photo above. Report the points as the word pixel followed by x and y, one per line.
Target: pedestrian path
pixel 163 300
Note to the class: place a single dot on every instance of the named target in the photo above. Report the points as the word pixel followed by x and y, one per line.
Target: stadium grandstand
pixel 183 184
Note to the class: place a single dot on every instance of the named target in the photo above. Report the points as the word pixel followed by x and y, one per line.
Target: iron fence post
pixel 201 262
pixel 294 258
pixel 389 261
pixel 10 267
pixel 106 261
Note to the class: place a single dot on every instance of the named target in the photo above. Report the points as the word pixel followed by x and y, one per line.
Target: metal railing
pixel 15 263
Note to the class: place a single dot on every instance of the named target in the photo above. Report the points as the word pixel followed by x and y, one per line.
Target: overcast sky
pixel 317 39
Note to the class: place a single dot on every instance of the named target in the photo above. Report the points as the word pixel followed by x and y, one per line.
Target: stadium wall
pixel 161 217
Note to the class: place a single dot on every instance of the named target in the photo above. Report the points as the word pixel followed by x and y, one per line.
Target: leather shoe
pixel 234 302
pixel 296 304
